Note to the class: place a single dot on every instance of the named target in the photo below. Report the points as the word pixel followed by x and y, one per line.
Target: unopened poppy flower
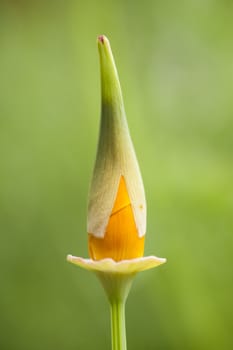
pixel 116 220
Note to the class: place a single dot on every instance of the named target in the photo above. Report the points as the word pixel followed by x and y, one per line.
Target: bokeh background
pixel 175 61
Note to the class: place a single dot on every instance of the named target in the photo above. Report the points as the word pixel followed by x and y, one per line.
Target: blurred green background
pixel 175 61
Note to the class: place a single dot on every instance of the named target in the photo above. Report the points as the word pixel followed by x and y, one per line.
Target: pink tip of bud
pixel 101 38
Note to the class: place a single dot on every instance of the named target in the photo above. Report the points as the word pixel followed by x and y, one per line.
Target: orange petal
pixel 121 240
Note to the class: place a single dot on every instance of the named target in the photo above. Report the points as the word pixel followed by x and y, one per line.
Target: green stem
pixel 117 287
pixel 118 325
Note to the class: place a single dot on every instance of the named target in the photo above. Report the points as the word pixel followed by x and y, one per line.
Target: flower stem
pixel 117 287
pixel 118 325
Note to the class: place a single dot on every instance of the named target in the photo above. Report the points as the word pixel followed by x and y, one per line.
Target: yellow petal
pixel 121 240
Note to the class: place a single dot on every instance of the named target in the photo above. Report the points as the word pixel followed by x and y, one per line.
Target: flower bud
pixel 116 221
